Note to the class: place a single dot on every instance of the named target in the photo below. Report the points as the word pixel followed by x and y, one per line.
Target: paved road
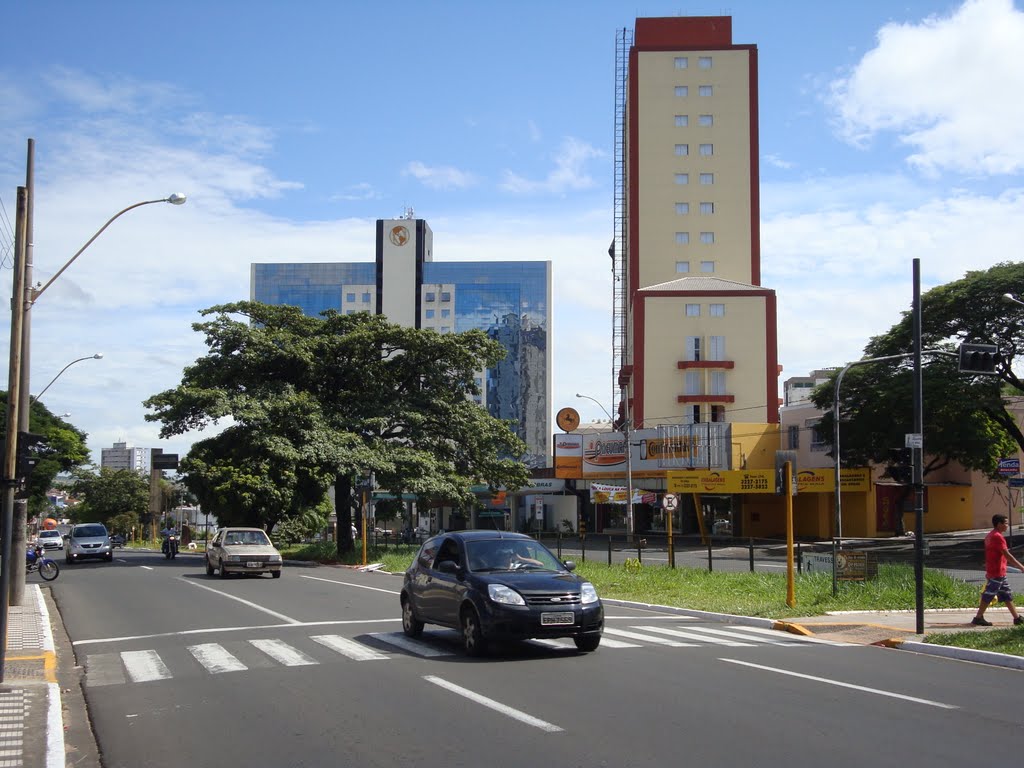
pixel 309 670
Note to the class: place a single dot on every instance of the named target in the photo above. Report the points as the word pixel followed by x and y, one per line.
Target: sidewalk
pixel 31 721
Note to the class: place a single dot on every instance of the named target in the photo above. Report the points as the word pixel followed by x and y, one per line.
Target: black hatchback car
pixel 498 586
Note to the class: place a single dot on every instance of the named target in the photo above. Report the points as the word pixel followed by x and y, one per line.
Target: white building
pixel 124 456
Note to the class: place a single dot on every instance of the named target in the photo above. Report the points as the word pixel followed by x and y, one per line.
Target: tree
pixel 109 495
pixel 316 402
pixel 965 417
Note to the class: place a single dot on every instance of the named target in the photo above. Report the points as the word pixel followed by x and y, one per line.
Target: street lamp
pixel 1014 299
pixel 629 464
pixel 97 356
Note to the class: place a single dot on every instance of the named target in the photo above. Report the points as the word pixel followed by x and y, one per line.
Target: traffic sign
pixel 669 501
pixel 1015 482
pixel 1009 466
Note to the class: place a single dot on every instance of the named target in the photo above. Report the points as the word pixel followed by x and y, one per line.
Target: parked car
pixel 117 540
pixel 88 540
pixel 50 539
pixel 493 585
pixel 242 550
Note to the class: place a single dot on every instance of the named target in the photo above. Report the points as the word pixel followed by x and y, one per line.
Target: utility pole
pixel 918 453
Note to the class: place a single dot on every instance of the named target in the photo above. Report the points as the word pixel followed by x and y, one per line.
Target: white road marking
pixel 801 638
pixel 644 638
pixel 251 628
pixel 349 584
pixel 104 669
pixel 690 635
pixel 143 666
pixel 249 603
pixel 351 648
pixel 281 652
pixel 215 658
pixel 826 681
pixel 495 705
pixel 417 647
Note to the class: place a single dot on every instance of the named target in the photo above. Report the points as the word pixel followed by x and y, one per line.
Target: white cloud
pixel 569 173
pixel 948 87
pixel 439 176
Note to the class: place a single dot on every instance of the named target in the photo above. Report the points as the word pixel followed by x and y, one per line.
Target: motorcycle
pixel 170 547
pixel 35 561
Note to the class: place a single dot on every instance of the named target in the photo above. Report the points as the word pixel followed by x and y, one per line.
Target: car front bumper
pixel 522 622
pixel 102 552
pixel 243 568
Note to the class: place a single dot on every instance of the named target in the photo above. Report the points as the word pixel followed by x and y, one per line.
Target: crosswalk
pixel 143 666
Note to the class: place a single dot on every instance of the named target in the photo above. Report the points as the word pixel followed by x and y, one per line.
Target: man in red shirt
pixel 996 556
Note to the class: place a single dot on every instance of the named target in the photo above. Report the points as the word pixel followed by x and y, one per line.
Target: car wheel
pixel 472 636
pixel 412 626
pixel 223 571
pixel 276 574
pixel 588 643
pixel 209 568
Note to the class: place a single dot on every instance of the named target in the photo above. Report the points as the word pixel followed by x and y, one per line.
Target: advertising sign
pixel 721 481
pixel 1009 466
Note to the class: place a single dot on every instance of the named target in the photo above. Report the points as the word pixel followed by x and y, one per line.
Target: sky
pixel 889 131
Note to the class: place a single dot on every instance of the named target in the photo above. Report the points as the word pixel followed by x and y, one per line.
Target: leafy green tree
pixel 110 494
pixel 965 416
pixel 316 402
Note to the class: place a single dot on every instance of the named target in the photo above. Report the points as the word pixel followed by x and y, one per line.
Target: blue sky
pixel 888 131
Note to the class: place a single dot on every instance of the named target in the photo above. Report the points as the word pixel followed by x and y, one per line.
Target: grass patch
pixel 996 640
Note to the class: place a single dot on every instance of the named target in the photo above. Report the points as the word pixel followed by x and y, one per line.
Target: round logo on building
pixel 399 235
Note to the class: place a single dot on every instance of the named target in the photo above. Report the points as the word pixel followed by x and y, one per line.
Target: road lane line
pixel 417 647
pixel 351 648
pixel 349 584
pixel 863 688
pixel 283 653
pixel 249 603
pixel 143 666
pixel 216 658
pixel 495 705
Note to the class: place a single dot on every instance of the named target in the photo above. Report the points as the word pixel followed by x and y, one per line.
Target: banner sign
pixel 601 493
pixel 763 481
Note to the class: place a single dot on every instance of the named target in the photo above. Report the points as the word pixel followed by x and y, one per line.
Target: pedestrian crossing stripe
pixel 103 669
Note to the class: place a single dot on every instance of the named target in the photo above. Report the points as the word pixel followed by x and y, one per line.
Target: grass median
pixel 749 594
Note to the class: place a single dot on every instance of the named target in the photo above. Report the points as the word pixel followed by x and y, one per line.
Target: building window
pixel 704 62
pixel 682 238
pixel 707 208
pixel 707 150
pixel 707 266
pixel 446 296
pixel 718 413
pixel 817 437
pixel 692 382
pixel 366 298
pixel 705 121
pixel 693 414
pixel 793 435
pixel 692 350
pixel 350 298
pixel 446 313
pixel 682 91
pixel 716 310
pixel 716 349
pixel 446 329
pixel 431 296
pixel 718 383
pixel 682 209
pixel 350 311
pixel 682 178
pixel 682 150
pixel 705 90
pixel 682 62
pixel 682 121
pixel 707 179
pixel 693 310
pixel 429 314
pixel 682 266
pixel 708 238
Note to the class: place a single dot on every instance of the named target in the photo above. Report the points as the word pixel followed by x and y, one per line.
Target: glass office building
pixel 510 301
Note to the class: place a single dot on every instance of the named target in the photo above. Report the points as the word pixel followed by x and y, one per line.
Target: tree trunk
pixel 343 511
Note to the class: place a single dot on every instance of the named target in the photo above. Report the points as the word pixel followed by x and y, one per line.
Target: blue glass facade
pixel 510 301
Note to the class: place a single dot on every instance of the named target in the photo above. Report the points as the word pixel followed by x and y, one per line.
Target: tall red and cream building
pixel 695 329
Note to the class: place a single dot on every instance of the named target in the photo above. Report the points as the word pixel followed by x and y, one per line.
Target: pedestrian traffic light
pixel 979 358
pixel 901 466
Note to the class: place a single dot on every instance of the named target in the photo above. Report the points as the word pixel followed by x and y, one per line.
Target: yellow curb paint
pixel 49 659
pixel 795 629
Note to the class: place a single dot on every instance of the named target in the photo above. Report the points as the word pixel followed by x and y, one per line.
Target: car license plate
pixel 562 617
pixel 253 564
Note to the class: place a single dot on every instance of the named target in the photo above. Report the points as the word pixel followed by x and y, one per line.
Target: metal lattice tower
pixel 618 250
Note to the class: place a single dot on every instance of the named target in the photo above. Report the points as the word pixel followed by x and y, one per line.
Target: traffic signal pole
pixel 918 453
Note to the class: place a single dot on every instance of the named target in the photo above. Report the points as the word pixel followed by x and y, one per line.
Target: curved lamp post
pixel 629 464
pixel 97 356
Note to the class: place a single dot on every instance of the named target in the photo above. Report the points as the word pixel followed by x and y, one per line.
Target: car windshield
pixel 253 538
pixel 49 534
pixel 90 530
pixel 510 555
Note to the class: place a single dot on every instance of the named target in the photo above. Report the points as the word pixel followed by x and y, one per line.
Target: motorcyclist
pixel 166 533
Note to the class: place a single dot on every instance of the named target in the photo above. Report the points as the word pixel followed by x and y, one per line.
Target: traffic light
pixel 979 358
pixel 901 466
pixel 29 445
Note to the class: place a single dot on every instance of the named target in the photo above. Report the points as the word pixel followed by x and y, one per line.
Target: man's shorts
pixel 998 588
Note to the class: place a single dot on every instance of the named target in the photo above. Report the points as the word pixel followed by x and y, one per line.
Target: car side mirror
pixel 448 566
pixel 569 565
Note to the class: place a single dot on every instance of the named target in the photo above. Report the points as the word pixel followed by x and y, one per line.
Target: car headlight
pixel 275 559
pixel 233 558
pixel 588 594
pixel 499 593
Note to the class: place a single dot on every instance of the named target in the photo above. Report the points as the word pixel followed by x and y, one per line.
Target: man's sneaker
pixel 1019 620
pixel 980 622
